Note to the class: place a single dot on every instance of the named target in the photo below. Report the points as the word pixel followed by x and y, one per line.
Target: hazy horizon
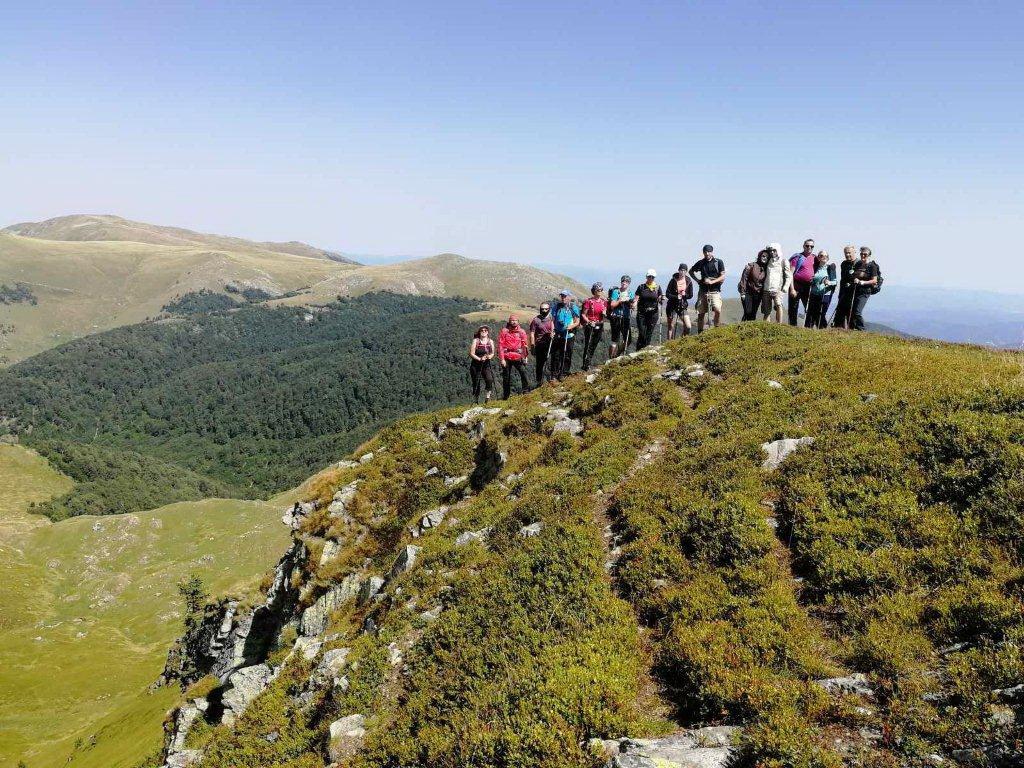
pixel 591 134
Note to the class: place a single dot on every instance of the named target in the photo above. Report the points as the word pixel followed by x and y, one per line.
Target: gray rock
pixel 366 458
pixel 295 514
pixel 774 384
pixel 347 736
pixel 405 561
pixel 331 668
pixel 464 538
pixel 433 614
pixel 777 450
pixel 245 685
pixel 342 501
pixel 591 378
pixel 449 482
pixel 696 373
pixel 531 530
pixel 369 589
pixel 184 758
pixel 469 416
pixel 1012 695
pixel 699 748
pixel 314 619
pixel 431 472
pixel 346 464
pixel 307 647
pixel 183 720
pixel 433 518
pixel 331 550
pixel 857 683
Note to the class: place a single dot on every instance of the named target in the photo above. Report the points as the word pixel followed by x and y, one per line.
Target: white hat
pixel 775 247
pixel 651 273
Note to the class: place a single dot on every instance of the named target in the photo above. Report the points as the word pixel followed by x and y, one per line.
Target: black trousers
pixel 803 293
pixel 859 301
pixel 561 357
pixel 844 308
pixel 540 358
pixel 480 372
pixel 506 377
pixel 751 304
pixel 817 311
pixel 645 323
pixel 591 338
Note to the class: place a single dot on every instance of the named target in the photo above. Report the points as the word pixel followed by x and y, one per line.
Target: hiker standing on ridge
pixel 481 352
pixel 822 285
pixel 513 352
pixel 751 285
pixel 620 300
pixel 802 265
pixel 679 292
pixel 844 304
pixel 647 303
pixel 778 278
pixel 867 281
pixel 709 273
pixel 542 330
pixel 592 318
pixel 567 320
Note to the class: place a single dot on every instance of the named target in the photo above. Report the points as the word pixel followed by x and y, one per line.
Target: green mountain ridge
pixel 760 546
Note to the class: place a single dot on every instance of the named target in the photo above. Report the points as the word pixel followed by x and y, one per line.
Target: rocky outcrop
pixel 244 685
pixel 176 755
pixel 314 619
pixel 777 450
pixel 340 507
pixel 856 684
pixel 346 737
pixel 699 748
pixel 405 561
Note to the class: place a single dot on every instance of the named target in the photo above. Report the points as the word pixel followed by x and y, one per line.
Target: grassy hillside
pixel 672 580
pixel 89 607
pixel 241 403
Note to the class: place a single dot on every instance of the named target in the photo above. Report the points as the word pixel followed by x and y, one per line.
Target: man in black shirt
pixel 844 304
pixel 866 277
pixel 647 304
pixel 709 273
pixel 679 293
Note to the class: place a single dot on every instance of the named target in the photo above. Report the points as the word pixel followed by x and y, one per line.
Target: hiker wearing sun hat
pixel 778 278
pixel 709 273
pixel 567 320
pixel 620 300
pixel 647 303
pixel 513 350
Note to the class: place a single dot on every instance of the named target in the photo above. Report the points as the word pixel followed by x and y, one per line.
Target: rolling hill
pixel 76 275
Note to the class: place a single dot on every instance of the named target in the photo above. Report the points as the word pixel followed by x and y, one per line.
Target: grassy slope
pixel 112 580
pixel 539 648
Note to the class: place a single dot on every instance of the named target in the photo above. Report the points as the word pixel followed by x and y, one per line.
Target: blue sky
pixel 606 134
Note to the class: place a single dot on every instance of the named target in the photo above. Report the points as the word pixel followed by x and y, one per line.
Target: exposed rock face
pixel 405 561
pixel 342 502
pixel 307 647
pixel 346 737
pixel 314 619
pixel 226 639
pixel 777 450
pixel 296 513
pixel 432 519
pixel 531 530
pixel 370 588
pixel 563 423
pixel 857 684
pixel 464 538
pixel 244 686
pixel 699 748
pixel 174 746
pixel 330 551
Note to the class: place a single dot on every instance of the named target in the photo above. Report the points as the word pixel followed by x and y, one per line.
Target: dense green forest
pixel 243 402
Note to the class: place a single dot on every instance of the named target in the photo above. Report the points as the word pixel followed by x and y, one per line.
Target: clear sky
pixel 597 133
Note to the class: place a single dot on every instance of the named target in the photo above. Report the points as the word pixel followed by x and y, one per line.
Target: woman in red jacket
pixel 513 352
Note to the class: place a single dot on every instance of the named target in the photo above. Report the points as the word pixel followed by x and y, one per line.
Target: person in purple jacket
pixel 802 265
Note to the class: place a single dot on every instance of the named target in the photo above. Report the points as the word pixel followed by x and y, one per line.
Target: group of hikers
pixel 806 279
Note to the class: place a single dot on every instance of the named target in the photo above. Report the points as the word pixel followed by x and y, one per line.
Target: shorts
pixel 709 300
pixel 619 328
pixel 770 301
pixel 676 307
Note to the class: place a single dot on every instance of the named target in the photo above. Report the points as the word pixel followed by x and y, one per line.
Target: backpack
pixel 878 280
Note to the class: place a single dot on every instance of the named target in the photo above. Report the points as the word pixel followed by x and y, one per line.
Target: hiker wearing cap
pixel 542 330
pixel 778 278
pixel 867 281
pixel 592 319
pixel 751 285
pixel 647 305
pixel 679 292
pixel 709 273
pixel 822 285
pixel 844 304
pixel 802 266
pixel 567 320
pixel 620 301
pixel 513 352
pixel 481 352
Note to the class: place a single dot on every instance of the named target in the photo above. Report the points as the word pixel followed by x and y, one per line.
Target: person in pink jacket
pixel 513 352
pixel 802 266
